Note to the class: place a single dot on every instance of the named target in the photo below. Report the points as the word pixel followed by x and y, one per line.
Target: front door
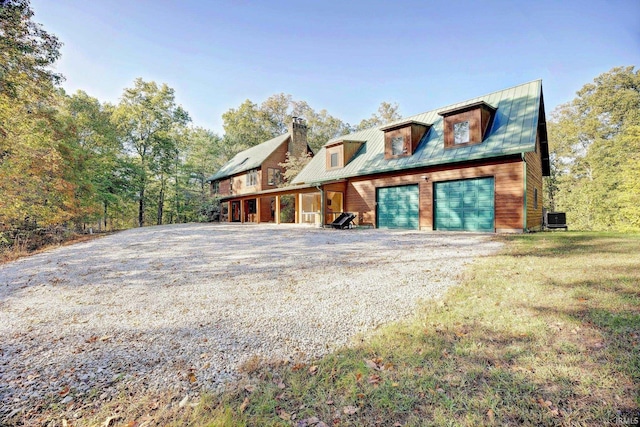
pixel 235 211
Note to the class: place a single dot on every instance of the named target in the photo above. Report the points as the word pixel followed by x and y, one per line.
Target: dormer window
pixel 467 125
pixel 334 160
pixel 461 132
pixel 402 139
pixel 340 153
pixel 397 146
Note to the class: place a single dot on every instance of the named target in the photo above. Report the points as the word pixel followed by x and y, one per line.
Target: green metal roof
pixel 513 131
pixel 251 158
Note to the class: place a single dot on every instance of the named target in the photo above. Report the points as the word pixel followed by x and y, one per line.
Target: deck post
pixel 277 218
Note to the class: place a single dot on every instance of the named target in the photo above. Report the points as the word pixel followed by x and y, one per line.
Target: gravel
pixel 178 309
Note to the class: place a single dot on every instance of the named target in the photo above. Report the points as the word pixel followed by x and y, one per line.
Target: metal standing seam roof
pixel 251 158
pixel 513 131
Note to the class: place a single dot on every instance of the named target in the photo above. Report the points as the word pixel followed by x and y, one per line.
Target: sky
pixel 343 56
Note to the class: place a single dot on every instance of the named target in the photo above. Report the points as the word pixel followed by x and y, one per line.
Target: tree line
pixel 594 143
pixel 71 160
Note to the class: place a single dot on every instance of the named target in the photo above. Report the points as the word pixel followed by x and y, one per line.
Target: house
pixel 472 166
pixel 254 171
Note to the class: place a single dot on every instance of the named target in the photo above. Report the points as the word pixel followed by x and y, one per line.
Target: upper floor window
pixel 215 187
pixel 252 178
pixel 334 160
pixel 397 146
pixel 461 132
pixel 273 176
pixel 230 185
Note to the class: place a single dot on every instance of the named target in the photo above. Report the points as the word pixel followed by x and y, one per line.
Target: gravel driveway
pixel 178 308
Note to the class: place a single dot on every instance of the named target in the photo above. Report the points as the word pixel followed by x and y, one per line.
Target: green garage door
pixel 398 207
pixel 465 205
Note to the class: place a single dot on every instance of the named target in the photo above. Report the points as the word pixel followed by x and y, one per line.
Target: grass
pixel 545 333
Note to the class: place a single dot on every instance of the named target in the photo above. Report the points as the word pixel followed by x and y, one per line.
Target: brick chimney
pixel 298 141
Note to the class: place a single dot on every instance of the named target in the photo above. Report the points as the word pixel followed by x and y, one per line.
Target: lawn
pixel 545 333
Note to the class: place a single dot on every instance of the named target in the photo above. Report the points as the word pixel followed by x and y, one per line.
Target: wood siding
pixel 278 156
pixel 534 185
pixel 509 191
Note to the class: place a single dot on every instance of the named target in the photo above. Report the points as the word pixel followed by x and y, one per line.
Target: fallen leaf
pixel 349 410
pixel 250 388
pixel 132 424
pixel 297 367
pixel 313 369
pixel 358 376
pixel 329 402
pixel 281 385
pixel 109 420
pixel 375 380
pixel 244 405
pixel 284 415
pixel 192 377
pixel 397 424
pixel 183 401
pixel 371 364
pixel 106 337
pixel 65 391
pixel 93 338
pixel 491 414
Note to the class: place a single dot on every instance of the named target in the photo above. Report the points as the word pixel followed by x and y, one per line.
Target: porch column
pixel 277 210
pixel 241 211
pixel 297 202
pixel 258 210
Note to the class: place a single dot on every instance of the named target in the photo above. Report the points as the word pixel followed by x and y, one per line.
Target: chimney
pixel 298 141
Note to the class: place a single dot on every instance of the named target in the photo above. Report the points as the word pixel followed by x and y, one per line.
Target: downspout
pixel 524 226
pixel 322 202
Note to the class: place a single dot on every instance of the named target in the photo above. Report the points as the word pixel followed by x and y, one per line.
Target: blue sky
pixel 345 57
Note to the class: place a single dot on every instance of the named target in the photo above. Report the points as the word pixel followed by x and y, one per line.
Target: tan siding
pixel 509 192
pixel 534 182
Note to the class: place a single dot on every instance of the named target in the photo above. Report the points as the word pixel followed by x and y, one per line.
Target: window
pixel 251 206
pixel 230 185
pixel 273 176
pixel 215 187
pixel 535 198
pixel 397 146
pixel 252 178
pixel 461 132
pixel 334 160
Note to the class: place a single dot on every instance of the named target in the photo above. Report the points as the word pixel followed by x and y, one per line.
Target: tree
pixel 387 113
pixel 145 118
pixel 593 147
pixel 245 127
pixel 32 162
pixel 292 167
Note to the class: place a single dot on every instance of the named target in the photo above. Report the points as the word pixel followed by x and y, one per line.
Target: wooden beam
pixel 277 218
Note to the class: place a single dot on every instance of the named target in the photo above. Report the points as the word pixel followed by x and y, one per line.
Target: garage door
pixel 398 207
pixel 466 205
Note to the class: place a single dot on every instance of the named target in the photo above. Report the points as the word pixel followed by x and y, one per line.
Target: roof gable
pixel 251 158
pixel 512 131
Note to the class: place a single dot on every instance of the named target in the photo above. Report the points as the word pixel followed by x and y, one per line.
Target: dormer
pixel 340 153
pixel 467 125
pixel 402 139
